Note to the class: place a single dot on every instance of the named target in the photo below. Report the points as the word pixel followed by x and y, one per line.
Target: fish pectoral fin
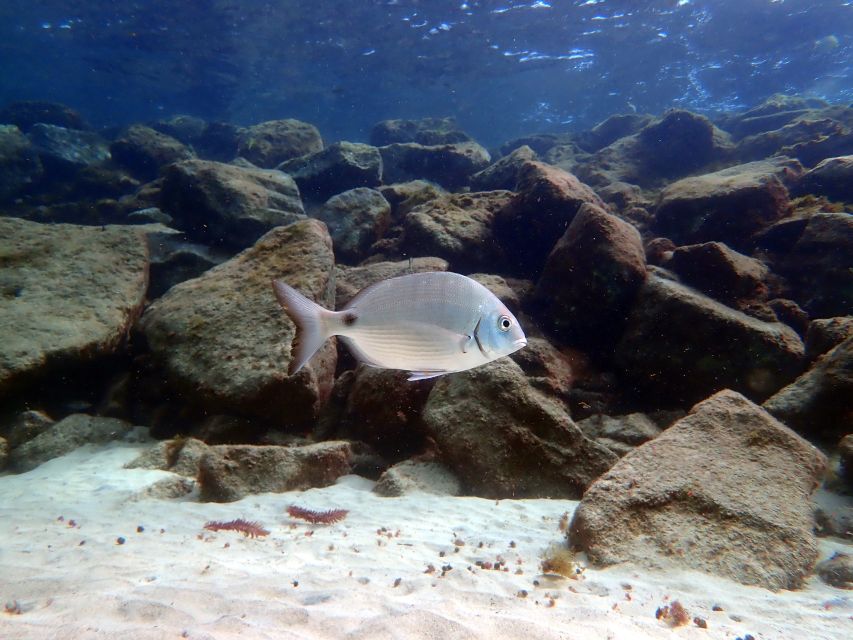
pixel 466 341
pixel 426 375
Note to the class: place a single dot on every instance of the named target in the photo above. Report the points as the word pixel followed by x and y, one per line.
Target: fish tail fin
pixel 310 318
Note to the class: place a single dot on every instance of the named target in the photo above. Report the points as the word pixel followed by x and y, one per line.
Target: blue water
pixel 502 68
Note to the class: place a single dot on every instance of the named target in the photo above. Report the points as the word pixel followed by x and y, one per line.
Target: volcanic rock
pixel 270 143
pixel 720 272
pixel 449 165
pixel 338 167
pixel 144 151
pixel 20 166
pixel 356 219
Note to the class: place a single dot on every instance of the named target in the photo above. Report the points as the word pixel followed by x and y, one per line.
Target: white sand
pixel 185 582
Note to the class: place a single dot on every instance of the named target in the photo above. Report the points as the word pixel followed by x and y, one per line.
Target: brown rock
pixel 412 477
pixel 270 143
pixel 449 165
pixel 825 333
pixel 538 215
pixel 503 174
pixel 720 272
pixel 143 151
pixel 505 439
pixel 591 278
pixel 230 472
pixel 223 340
pixel 832 177
pixel 726 490
pixel 356 219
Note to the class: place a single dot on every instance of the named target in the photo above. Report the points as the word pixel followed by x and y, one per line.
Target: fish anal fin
pixel 426 375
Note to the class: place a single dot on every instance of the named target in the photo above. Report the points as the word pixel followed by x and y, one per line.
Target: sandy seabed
pixel 365 577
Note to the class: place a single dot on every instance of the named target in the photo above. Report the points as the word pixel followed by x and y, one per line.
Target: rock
pixel 833 512
pixel 230 472
pixel 824 333
pixel 818 402
pixel 504 439
pixel 568 157
pixel 427 131
pixel 449 165
pixel 503 174
pixel 612 129
pixel 786 311
pixel 4 453
pixel 845 451
pixel 219 141
pixel 458 228
pixel 165 489
pixel 810 138
pixel 529 226
pixel 591 278
pixel 682 345
pixel 405 196
pixel 412 477
pixel 65 436
pixel 20 166
pixel 187 129
pixel 179 455
pixel 26 113
pixel 832 178
pixel 338 167
pixel 620 434
pixel 383 409
pixel 70 294
pixel 356 219
pixel 63 151
pixel 720 272
pixel 175 260
pixel 506 293
pixel 776 111
pixel 727 476
pixel 729 206
pixel 837 571
pixel 25 426
pixel 812 254
pixel 225 343
pixel 270 143
pixel 546 367
pixel 144 151
pixel 226 205
pixel 677 144
pixel 350 280
pixel 150 215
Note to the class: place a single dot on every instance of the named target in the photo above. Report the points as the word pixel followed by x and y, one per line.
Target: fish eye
pixel 505 322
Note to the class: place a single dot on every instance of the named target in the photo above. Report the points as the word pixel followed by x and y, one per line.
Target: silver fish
pixel 426 323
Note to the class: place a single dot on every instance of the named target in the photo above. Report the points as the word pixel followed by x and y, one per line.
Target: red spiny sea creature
pixel 248 529
pixel 317 517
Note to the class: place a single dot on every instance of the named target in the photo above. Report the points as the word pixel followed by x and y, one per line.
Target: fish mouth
pixel 521 342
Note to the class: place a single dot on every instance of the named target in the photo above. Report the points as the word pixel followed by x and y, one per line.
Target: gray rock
pixel 70 294
pixel 68 149
pixel 187 129
pixel 175 260
pixel 230 472
pixel 20 166
pixel 833 512
pixel 449 165
pixel 144 151
pixel 726 477
pixel 730 205
pixel 166 489
pixel 226 205
pixel 547 368
pixel 63 437
pixel 411 477
pixel 837 571
pixel 356 219
pixel 179 455
pixel 504 439
pixel 350 280
pixel 405 196
pixel 832 178
pixel 825 333
pixel 720 272
pixel 223 340
pixel 338 167
pixel 633 429
pixel 591 278
pixel 681 346
pixel 25 426
pixel 538 215
pixel 427 131
pixel 503 174
pixel 845 453
pixel 818 402
pixel 270 143
pixel 810 138
pixel 4 453
pixel 458 228
pixel 26 113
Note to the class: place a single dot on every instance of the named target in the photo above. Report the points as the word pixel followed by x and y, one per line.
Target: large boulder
pixel 591 278
pixel 338 167
pixel 504 173
pixel 725 490
pixel 356 219
pixel 223 340
pixel 144 151
pixel 229 472
pixel 818 402
pixel 70 294
pixel 270 143
pixel 67 150
pixel 832 178
pixel 449 165
pixel 810 138
pixel 65 436
pixel 227 205
pixel 729 205
pixel 504 439
pixel 20 166
pixel 458 228
pixel 427 131
pixel 26 113
pixel 547 200
pixel 680 346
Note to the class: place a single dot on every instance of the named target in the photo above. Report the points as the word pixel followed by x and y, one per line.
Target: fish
pixel 428 324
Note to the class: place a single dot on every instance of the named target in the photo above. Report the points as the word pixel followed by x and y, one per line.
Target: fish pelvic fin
pixel 311 320
pixel 426 375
